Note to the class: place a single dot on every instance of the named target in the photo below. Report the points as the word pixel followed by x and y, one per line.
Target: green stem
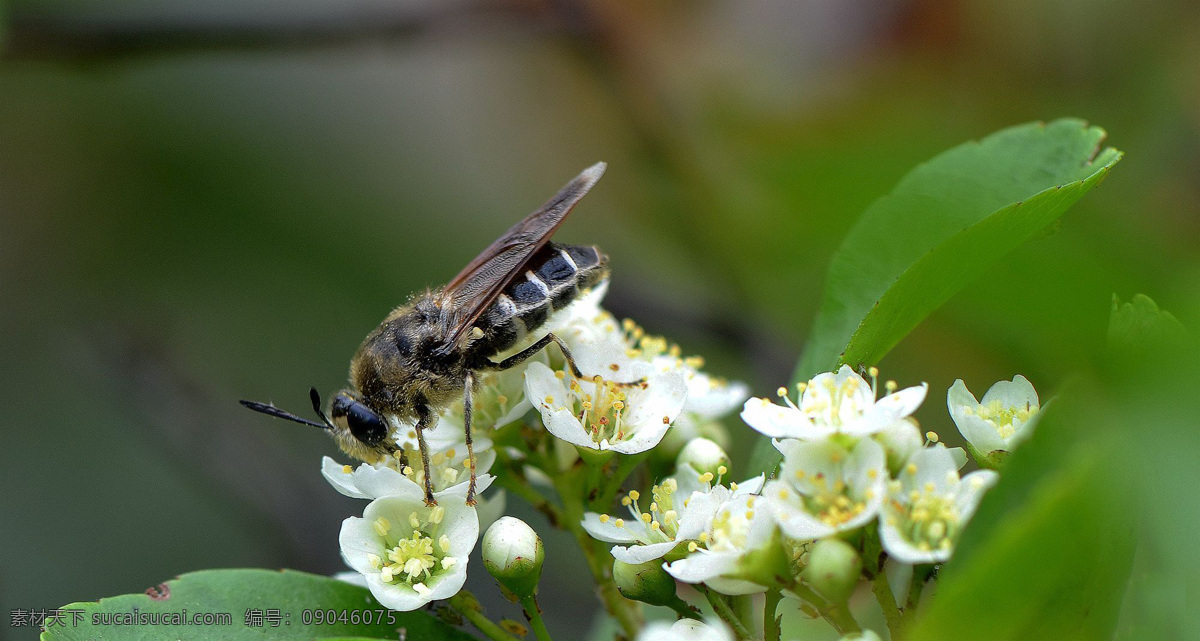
pixel 920 576
pixel 836 614
pixel 468 606
pixel 721 607
pixel 625 465
pixel 516 483
pixel 887 601
pixel 771 622
pixel 625 612
pixel 684 610
pixel 534 614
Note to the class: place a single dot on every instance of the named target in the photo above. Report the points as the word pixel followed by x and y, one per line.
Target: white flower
pixel 1004 417
pixel 411 554
pixel 449 465
pixel 824 488
pixel 600 414
pixel 928 506
pixel 833 403
pixel 594 335
pixel 681 509
pixel 712 629
pixel 900 439
pixel 740 528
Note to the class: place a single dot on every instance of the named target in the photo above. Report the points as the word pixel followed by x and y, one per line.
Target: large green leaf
pixel 945 223
pixel 1112 466
pixel 239 594
pixel 1048 554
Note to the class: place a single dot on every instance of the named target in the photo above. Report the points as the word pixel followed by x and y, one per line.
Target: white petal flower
pixel 599 341
pixel 824 488
pixel 1004 417
pixel 833 403
pixel 449 465
pixel 408 553
pixel 928 506
pixel 681 509
pixel 712 629
pixel 601 415
pixel 740 528
pixel 900 439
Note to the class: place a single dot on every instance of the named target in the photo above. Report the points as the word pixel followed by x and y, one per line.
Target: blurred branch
pixel 56 36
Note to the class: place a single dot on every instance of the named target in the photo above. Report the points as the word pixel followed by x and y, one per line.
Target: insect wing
pixel 480 282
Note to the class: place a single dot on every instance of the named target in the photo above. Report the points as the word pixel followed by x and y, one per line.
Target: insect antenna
pixel 316 403
pixel 271 410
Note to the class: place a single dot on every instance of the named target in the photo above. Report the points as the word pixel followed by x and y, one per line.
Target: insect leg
pixel 467 385
pixel 521 356
pixel 525 354
pixel 424 420
pixel 575 368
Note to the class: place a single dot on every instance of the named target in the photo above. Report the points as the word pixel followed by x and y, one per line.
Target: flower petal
pixel 636 554
pixel 606 531
pixel 778 421
pixel 902 551
pixel 566 426
pixel 1018 392
pixel 358 540
pixel 340 479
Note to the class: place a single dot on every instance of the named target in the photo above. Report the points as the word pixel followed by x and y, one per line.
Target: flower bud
pixel 833 569
pixel 513 553
pixel 646 582
pixel 703 455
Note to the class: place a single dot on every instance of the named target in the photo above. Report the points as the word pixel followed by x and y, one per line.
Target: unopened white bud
pixel 513 553
pixel 704 456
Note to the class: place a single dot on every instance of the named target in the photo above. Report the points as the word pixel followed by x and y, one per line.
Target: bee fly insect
pixel 425 354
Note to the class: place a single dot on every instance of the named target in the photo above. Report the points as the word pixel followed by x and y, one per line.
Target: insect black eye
pixel 364 424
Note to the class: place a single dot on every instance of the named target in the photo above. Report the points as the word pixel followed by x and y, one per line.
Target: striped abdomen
pixel 554 278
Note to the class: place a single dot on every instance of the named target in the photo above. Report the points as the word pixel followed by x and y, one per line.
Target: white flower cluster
pixel 850 459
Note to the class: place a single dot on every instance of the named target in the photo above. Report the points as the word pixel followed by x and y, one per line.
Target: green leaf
pixel 1139 326
pixel 1048 554
pixel 945 223
pixel 238 592
pixel 942 226
pixel 1112 467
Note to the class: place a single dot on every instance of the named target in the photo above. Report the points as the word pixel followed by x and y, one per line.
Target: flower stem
pixel 721 607
pixel 684 610
pixel 468 606
pixel 516 483
pixel 534 614
pixel 887 601
pixel 572 491
pixel 770 620
pixel 836 614
pixel 625 465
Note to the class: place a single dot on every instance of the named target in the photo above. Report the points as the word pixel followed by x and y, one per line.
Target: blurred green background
pixel 201 202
